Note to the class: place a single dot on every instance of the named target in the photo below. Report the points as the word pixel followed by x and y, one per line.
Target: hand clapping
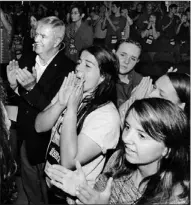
pixel 76 96
pixel 88 195
pixel 66 88
pixel 25 78
pixel 65 179
pixel 143 89
pixel 12 68
pixel 71 91
pixel 16 75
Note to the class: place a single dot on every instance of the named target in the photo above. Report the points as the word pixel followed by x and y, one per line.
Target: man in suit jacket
pixel 36 79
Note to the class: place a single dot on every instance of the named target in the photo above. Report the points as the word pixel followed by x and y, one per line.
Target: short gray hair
pixel 56 24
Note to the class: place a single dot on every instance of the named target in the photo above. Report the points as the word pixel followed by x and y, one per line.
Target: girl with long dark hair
pixel 84 119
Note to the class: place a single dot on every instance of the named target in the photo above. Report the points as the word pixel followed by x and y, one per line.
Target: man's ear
pixel 57 41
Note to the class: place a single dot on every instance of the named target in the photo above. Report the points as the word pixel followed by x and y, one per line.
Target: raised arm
pixel 98 134
pixel 73 146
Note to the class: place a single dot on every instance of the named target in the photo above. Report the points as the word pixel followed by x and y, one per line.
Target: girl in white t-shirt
pixel 84 120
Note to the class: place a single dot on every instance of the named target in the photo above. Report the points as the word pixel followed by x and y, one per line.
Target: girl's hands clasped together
pixel 66 88
pixel 76 96
pixel 71 91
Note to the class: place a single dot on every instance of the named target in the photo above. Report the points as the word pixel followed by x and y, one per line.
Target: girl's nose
pixel 129 136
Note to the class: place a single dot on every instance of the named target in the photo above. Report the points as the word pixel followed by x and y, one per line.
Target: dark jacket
pixel 33 102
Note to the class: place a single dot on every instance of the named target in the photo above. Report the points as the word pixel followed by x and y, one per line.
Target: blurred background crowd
pixel 162 28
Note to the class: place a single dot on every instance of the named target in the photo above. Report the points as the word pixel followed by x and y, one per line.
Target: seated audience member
pixel 84 120
pixel 128 52
pixel 8 192
pixel 114 24
pixel 79 34
pixel 150 167
pixel 171 86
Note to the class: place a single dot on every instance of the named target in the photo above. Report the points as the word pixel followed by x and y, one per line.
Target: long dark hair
pixel 7 163
pixel 181 83
pixel 106 90
pixel 165 122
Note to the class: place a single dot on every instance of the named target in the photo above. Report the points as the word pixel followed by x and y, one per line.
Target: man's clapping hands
pixel 23 77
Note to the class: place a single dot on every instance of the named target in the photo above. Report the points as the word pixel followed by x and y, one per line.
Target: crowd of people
pixel 92 126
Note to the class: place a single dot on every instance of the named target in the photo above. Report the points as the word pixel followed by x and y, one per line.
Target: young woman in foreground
pixel 151 166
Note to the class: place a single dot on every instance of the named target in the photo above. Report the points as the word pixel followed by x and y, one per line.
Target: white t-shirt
pixel 102 126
